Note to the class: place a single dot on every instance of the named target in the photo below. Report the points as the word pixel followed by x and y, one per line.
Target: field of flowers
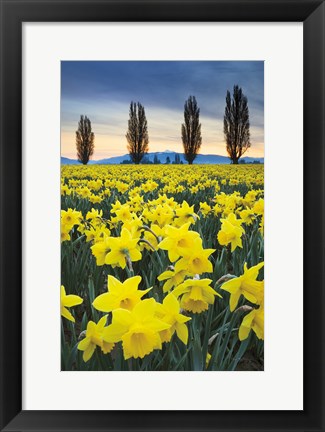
pixel 162 267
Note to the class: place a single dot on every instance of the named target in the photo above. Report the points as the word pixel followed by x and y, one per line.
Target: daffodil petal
pixel 66 314
pixel 243 332
pixel 89 352
pixel 72 300
pixel 114 333
pixel 103 302
pixel 182 332
pixel 232 285
pixel 83 344
pixel 233 301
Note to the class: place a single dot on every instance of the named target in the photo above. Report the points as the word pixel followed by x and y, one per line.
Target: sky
pixel 103 91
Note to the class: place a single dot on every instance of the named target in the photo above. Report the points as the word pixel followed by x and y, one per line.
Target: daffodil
pixel 137 329
pixel 68 301
pixel 178 241
pixel 195 260
pixel 205 208
pixel 91 234
pixel 101 249
pixel 231 218
pixel 65 190
pixel 120 295
pixel 252 321
pixel 249 198
pixel 185 214
pixel 230 233
pixel 259 207
pixel 97 233
pixel 162 215
pixel 196 294
pixel 94 215
pixel 169 312
pixel 173 276
pixel 134 226
pixel 245 285
pixel 122 249
pixel 94 337
pixel 116 205
pixel 65 233
pixel 247 216
pixel 70 218
pixel 123 214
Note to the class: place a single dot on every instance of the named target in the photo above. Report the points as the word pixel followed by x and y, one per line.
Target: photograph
pixel 159 162
pixel 162 216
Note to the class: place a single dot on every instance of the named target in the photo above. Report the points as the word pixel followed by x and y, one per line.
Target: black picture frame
pixel 13 14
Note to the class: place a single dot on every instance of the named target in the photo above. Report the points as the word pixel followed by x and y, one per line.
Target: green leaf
pixel 197 353
pixel 242 349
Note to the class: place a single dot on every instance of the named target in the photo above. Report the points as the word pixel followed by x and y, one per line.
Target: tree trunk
pixel 235 161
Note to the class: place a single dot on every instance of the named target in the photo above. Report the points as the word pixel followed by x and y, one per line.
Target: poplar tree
pixel 191 130
pixel 84 140
pixel 137 133
pixel 236 124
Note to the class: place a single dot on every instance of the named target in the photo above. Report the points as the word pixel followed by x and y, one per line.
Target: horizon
pixel 103 90
pixel 167 151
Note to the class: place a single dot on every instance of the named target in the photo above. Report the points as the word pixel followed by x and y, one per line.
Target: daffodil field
pixel 162 267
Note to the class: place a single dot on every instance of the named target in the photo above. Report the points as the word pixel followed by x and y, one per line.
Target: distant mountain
pixel 162 156
pixel 67 161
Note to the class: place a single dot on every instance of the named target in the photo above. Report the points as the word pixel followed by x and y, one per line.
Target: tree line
pixel 236 128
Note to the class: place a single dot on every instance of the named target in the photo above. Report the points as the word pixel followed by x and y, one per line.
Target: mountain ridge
pixel 204 159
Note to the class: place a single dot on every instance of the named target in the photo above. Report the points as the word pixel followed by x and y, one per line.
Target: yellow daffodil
pixel 101 249
pixel 122 249
pixel 94 214
pixel 116 206
pixel 259 207
pixel 68 301
pixel 249 198
pixel 97 234
pixel 178 241
pixel 168 312
pixel 231 218
pixel 123 214
pixel 134 226
pixel 205 208
pixel 245 285
pixel 162 215
pixel 185 214
pixel 70 218
pixel 65 233
pixel 174 276
pixel 196 259
pixel 252 321
pixel 94 337
pixel 137 329
pixel 65 190
pixel 247 216
pixel 230 233
pixel 120 295
pixel 196 294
